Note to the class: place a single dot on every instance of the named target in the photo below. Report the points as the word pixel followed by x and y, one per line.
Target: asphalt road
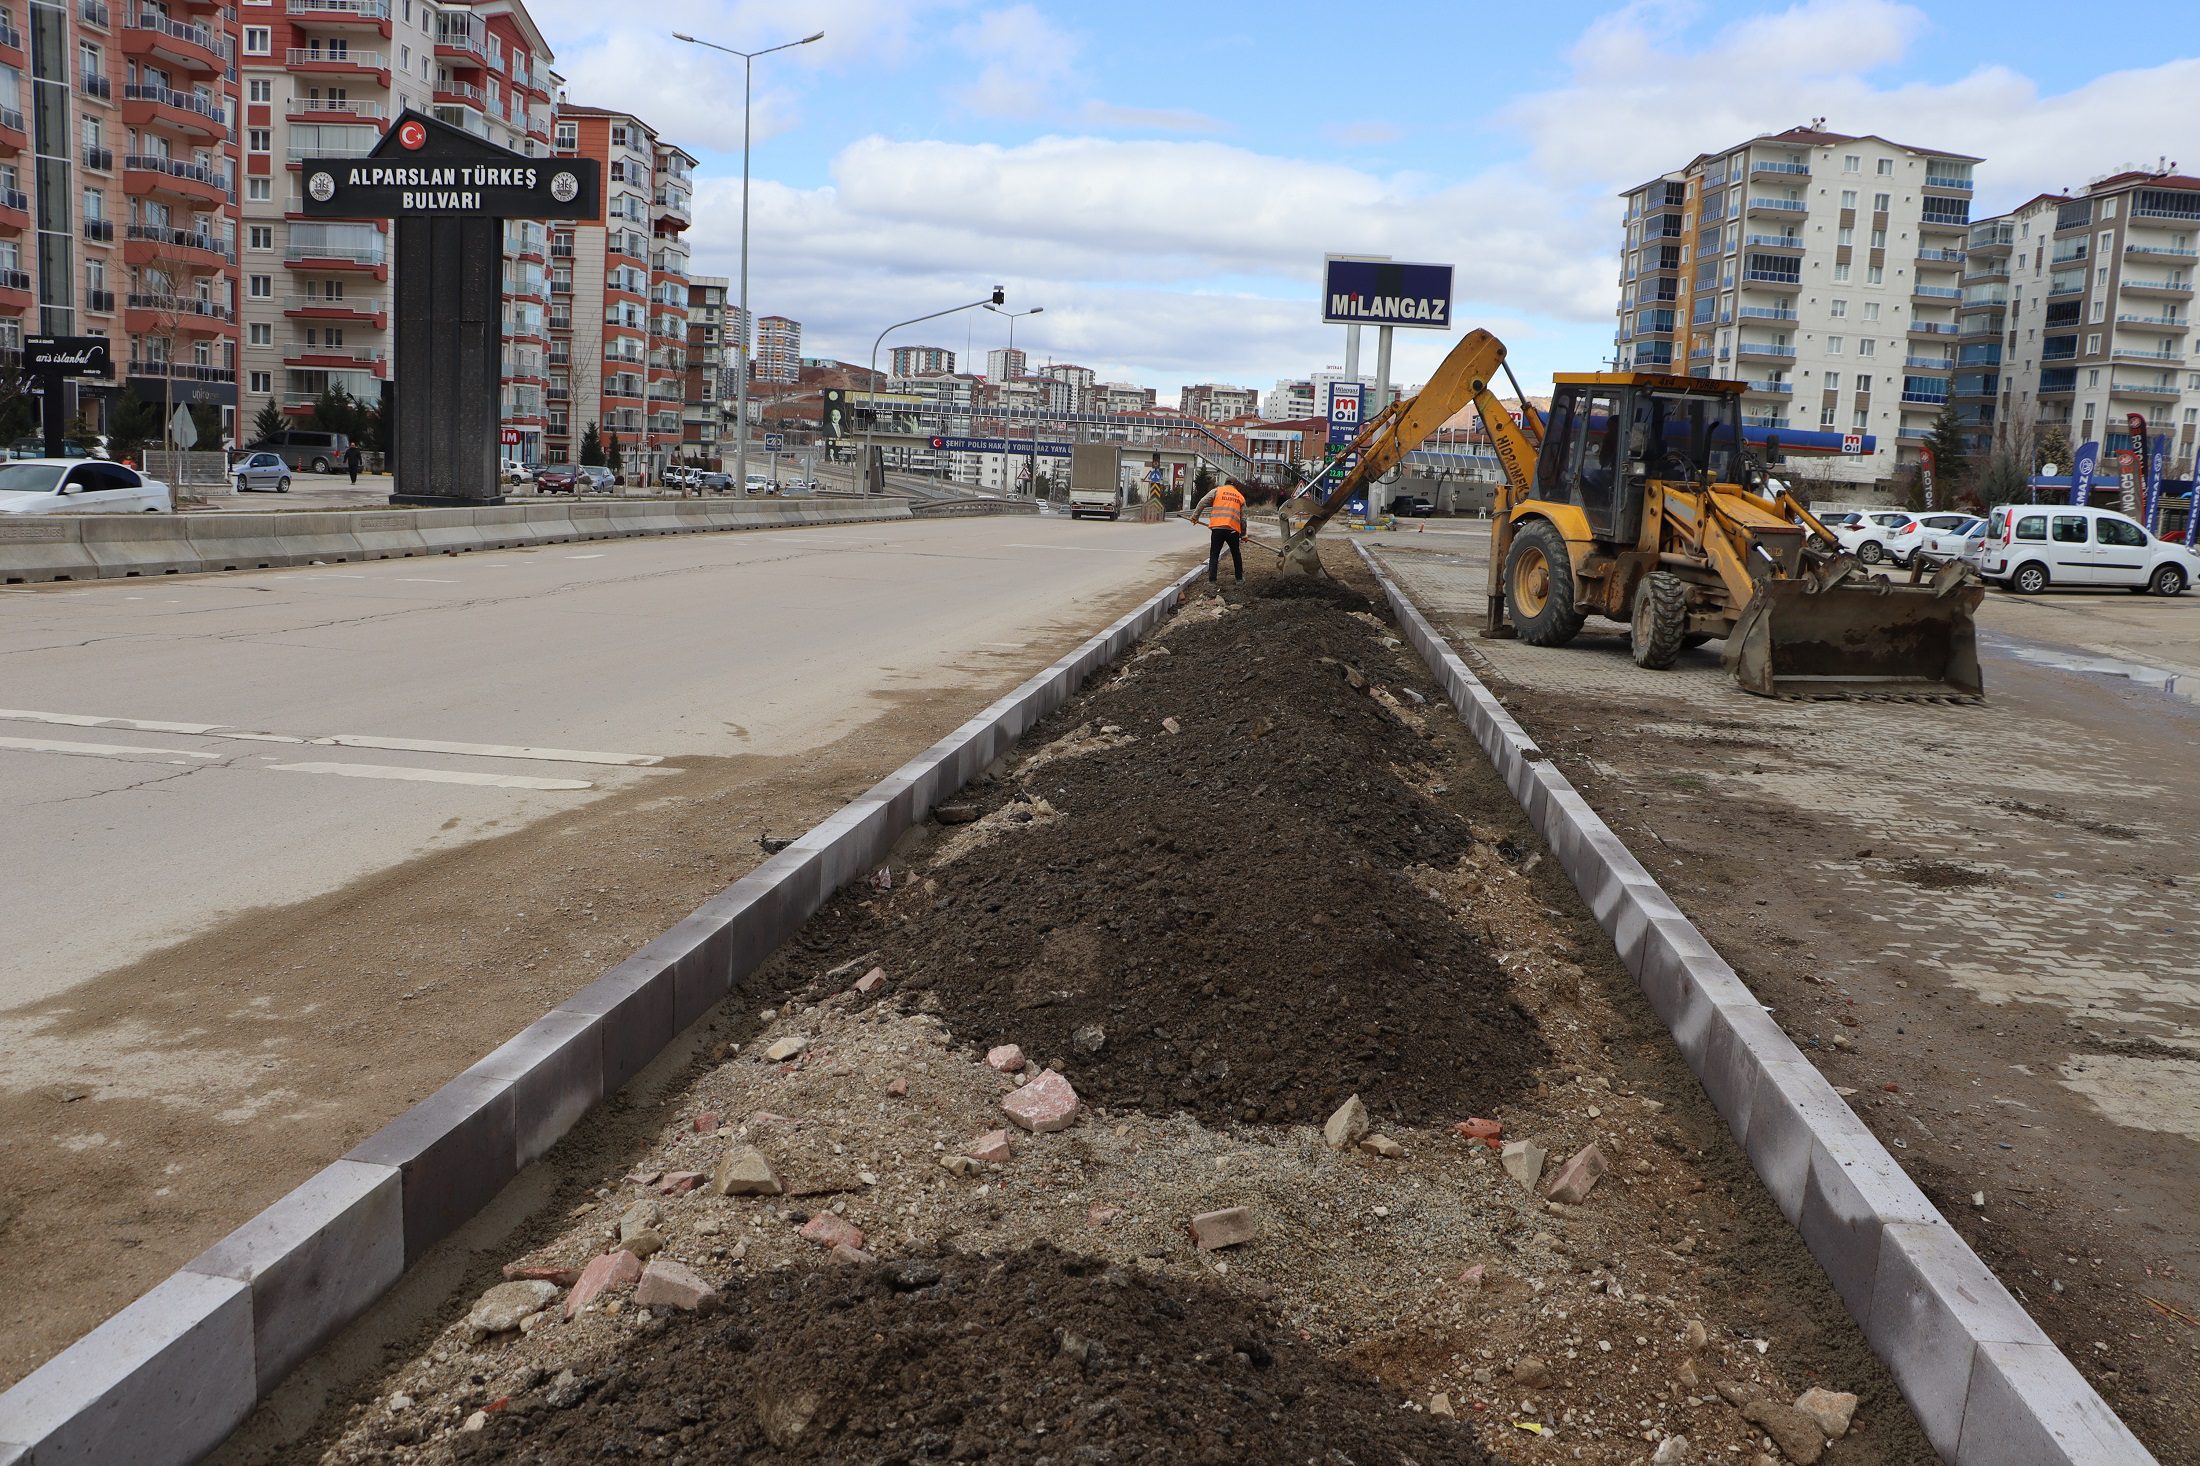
pixel 173 751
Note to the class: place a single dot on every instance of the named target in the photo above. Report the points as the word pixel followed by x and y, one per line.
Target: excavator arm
pixel 1385 439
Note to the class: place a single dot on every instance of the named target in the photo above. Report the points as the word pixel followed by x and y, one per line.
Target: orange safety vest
pixel 1228 510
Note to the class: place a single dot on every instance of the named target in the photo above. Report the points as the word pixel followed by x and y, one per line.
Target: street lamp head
pixel 807 39
pixel 684 36
pixel 1035 310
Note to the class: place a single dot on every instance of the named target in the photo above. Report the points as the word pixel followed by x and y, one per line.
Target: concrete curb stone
pixel 167 1378
pixel 1985 1383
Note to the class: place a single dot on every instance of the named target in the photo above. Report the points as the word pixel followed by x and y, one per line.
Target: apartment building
pixel 1077 383
pixel 1823 269
pixel 1005 363
pixel 1288 401
pixel 118 192
pixel 779 350
pixel 619 292
pixel 920 361
pixel 1125 397
pixel 324 78
pixel 706 356
pixel 1212 402
pixel 2077 312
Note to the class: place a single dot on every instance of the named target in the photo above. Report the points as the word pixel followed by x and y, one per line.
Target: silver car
pixel 262 471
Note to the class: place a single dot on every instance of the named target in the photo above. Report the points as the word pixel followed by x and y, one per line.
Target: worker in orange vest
pixel 1224 506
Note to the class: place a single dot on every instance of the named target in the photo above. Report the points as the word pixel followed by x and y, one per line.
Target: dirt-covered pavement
pixel 1278 958
pixel 1979 921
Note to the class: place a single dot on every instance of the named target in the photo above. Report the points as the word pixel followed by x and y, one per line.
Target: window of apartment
pixel 87 59
pixel 258 139
pixel 1863 419
pixel 1840 274
pixel 261 287
pixel 1886 167
pixel 2100 275
pixel 1871 310
pixel 262 383
pixel 1834 345
pixel 1840 309
pixel 1875 274
pixel 1852 164
pixel 1848 198
pixel 1825 417
pixel 2108 208
pixel 569 135
pixel 260 236
pixel 1864 382
pixel 260 90
pixel 618 137
pixel 1879 239
pixel 2100 311
pixel 2107 243
pixel 2093 377
pixel 95 206
pixel 2093 343
pixel 259 190
pixel 1845 237
pixel 2192 414
pixel 1833 381
pixel 262 334
pixel 258 39
pixel 1880 202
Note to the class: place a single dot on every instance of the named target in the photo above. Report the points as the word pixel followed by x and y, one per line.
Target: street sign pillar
pixel 50 361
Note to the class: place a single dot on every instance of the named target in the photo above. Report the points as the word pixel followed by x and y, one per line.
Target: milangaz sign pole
pixel 450 193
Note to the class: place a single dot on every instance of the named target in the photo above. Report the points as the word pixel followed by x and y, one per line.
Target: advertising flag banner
pixel 2081 471
pixel 2154 481
pixel 2131 462
pixel 1926 463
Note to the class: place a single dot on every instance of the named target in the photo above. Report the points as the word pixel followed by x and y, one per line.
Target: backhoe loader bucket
pixel 1860 637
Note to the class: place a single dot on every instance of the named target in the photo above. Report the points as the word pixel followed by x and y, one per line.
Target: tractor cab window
pixel 1681 435
pixel 1603 461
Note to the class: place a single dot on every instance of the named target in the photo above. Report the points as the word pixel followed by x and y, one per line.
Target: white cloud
pixel 1025 62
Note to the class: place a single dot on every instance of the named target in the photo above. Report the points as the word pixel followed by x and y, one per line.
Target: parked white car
pixel 80 486
pixel 2030 547
pixel 1864 534
pixel 1938 535
pixel 512 471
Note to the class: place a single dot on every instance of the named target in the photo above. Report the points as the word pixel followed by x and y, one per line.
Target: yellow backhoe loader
pixel 1636 499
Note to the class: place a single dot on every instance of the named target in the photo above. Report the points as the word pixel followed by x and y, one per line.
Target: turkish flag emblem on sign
pixel 412 137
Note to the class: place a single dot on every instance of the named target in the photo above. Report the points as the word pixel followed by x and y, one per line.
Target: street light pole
pixel 870 385
pixel 748 326
pixel 1012 315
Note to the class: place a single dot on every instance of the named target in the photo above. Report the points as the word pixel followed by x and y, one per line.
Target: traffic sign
pixel 773 442
pixel 183 431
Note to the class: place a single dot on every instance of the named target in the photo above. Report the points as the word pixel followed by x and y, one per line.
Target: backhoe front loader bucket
pixel 1860 637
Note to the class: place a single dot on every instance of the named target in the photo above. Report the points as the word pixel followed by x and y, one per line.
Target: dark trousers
pixel 1216 539
pixel 353 470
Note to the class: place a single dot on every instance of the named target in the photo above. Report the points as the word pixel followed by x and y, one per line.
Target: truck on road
pixel 1095 481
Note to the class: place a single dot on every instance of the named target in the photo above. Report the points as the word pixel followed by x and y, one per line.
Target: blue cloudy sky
pixel 1164 179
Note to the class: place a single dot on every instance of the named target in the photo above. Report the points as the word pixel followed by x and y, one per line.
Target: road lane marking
pixel 430 776
pixel 597 556
pixel 491 750
pixel 421 580
pixel 100 750
pixel 346 740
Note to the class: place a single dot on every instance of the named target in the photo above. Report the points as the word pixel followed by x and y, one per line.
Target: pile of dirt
pixel 1221 918
pixel 1033 1356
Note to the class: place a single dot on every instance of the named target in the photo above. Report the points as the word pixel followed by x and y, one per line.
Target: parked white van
pixel 2029 547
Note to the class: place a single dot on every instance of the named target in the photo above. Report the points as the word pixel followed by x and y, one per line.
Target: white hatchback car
pixel 1865 534
pixel 2029 547
pixel 80 486
pixel 1938 536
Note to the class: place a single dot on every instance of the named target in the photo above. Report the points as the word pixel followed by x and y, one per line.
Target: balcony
pixel 15 280
pixel 174 178
pixel 2159 251
pixel 363 308
pixel 321 61
pixel 14 201
pixel 1932 328
pixel 1763 349
pixel 176 43
pixel 460 94
pixel 1952 222
pixel 1772 280
pixel 2149 358
pixel 375 13
pixel 95 86
pixel 1924 399
pixel 1773 241
pixel 1988 271
pixel 1993 236
pixel 1766 313
pixel 461 38
pixel 1777 208
pixel 151 244
pixel 1948 182
pixel 2065 287
pixel 334 257
pixel 1930 363
pixel 1940 256
pixel 93 12
pixel 335 359
pixel 150 314
pixel 2159 323
pixel 343 109
pixel 1937 292
pixel 11 39
pixel 99 231
pixel 11 121
pixel 358 148
pixel 184 112
pixel 1762 168
pixel 2156 390
pixel 100 302
pixel 1781 389
pixel 2133 286
pixel 182 371
pixel 100 160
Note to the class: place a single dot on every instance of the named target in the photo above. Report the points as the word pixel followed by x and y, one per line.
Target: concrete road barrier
pixel 168 1378
pixel 1984 1381
pixel 105 546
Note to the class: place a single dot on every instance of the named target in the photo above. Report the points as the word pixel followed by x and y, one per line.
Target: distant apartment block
pixel 1006 363
pixel 778 349
pixel 920 361
pixel 1211 402
pixel 1824 270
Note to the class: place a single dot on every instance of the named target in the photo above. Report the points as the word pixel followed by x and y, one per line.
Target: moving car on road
pixel 2030 547
pixel 556 478
pixel 262 471
pixel 80 486
pixel 596 479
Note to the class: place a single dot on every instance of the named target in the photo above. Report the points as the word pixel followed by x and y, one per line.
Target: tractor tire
pixel 1660 622
pixel 1539 587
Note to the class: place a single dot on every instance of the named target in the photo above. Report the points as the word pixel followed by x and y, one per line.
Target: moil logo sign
pixel 1362 292
pixel 1344 411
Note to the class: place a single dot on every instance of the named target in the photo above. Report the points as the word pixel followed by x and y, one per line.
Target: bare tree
pixel 2006 476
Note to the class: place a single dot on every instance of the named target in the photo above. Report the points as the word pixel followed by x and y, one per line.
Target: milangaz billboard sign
pixel 1361 292
pixel 425 169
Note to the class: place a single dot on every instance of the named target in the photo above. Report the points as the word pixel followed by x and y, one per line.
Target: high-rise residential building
pixel 778 350
pixel 118 173
pixel 1077 380
pixel 706 365
pixel 2077 312
pixel 1126 397
pixel 1005 363
pixel 323 78
pixel 917 361
pixel 1212 402
pixel 1288 401
pixel 619 349
pixel 1822 269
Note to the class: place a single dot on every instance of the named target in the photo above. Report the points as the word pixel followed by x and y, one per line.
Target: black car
pixel 1413 506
